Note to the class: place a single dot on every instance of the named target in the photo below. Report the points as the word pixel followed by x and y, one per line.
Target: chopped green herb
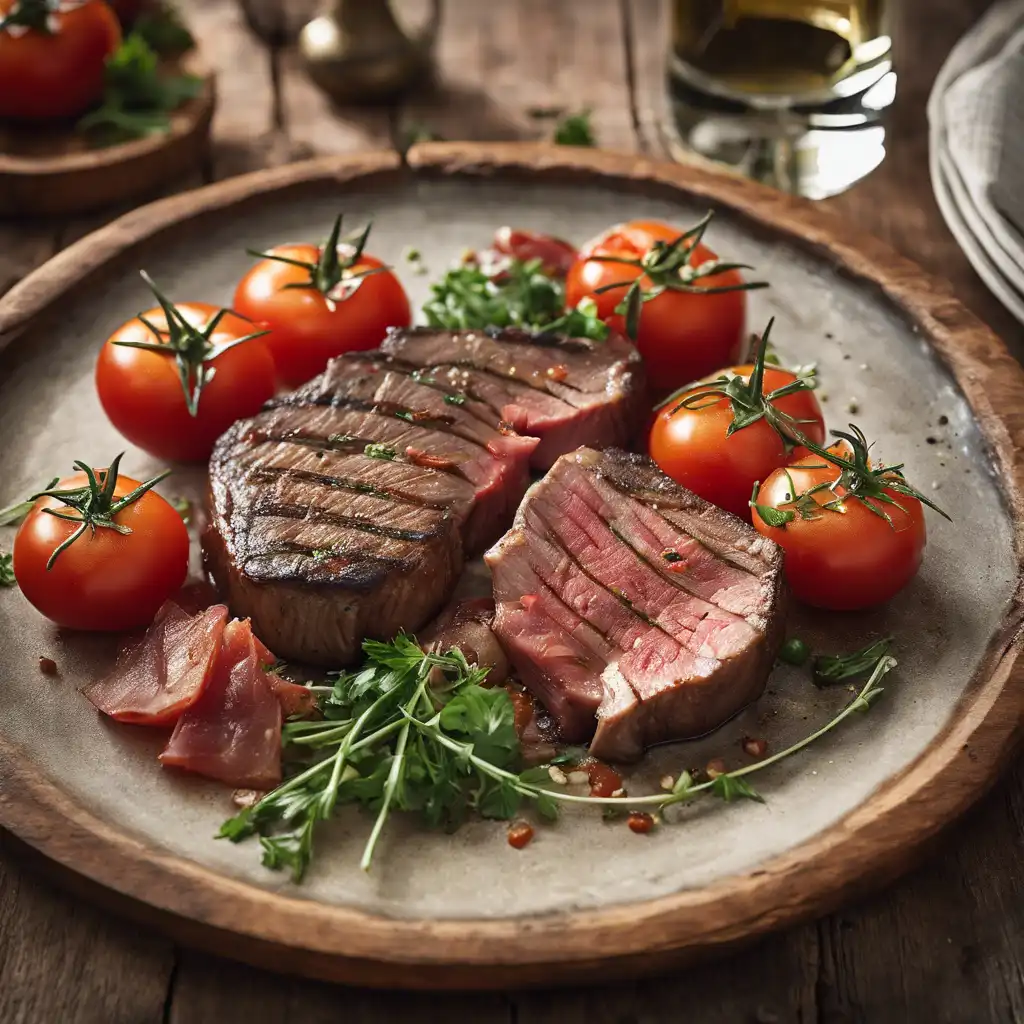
pixel 380 451
pixel 523 296
pixel 455 399
pixel 575 130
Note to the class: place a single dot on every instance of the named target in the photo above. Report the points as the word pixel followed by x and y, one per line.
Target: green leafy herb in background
pixel 575 130
pixel 12 515
pixel 416 731
pixel 6 569
pixel 521 296
pixel 164 31
pixel 139 97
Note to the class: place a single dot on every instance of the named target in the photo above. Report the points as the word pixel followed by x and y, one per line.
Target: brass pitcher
pixel 358 53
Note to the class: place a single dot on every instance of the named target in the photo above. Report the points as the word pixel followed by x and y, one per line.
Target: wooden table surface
pixel 944 945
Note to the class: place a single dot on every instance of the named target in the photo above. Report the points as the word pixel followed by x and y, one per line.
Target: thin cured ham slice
pixel 166 672
pixel 233 732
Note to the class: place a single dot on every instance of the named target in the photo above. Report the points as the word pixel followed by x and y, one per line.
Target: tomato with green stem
pixel 683 307
pixel 718 437
pixel 174 378
pixel 854 534
pixel 53 57
pixel 100 551
pixel 321 301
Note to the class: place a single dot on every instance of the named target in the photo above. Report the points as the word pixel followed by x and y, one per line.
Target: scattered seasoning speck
pixel 931 440
pixel 943 420
pixel 667 782
pixel 829 335
pixel 853 405
pixel 640 822
pixel 715 767
pixel 48 666
pixel 519 834
pixel 755 748
pixel 864 366
pixel 846 355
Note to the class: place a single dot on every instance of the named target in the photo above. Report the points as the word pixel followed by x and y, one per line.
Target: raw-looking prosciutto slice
pixel 233 732
pixel 164 673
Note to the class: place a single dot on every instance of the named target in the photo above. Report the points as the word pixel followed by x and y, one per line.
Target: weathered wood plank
pixel 61 960
pixel 498 64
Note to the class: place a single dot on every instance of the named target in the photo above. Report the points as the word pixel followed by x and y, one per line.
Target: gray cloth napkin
pixel 976 114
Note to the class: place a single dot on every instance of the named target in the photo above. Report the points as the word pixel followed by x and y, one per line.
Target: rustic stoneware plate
pixel 50 172
pixel 586 898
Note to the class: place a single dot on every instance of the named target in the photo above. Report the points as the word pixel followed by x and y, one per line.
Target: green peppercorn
pixel 794 652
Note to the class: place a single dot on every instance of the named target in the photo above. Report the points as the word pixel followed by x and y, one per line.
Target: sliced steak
pixel 566 391
pixel 636 611
pixel 342 510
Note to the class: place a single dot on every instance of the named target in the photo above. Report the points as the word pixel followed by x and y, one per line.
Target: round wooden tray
pixel 583 900
pixel 55 171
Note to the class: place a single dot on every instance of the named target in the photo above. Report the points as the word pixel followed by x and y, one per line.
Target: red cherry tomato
pixel 682 335
pixel 691 445
pixel 105 580
pixel 556 255
pixel 307 327
pixel 141 391
pixel 56 71
pixel 841 560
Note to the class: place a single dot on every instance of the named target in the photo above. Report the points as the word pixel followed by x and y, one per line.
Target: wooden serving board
pixel 585 899
pixel 53 171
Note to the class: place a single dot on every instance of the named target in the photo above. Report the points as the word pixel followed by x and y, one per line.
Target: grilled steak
pixel 566 391
pixel 343 510
pixel 634 610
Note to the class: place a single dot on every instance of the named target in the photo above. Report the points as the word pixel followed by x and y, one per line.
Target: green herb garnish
pixel 138 96
pixel 575 130
pixel 832 669
pixel 162 28
pixel 380 451
pixel 418 732
pixel 521 296
pixel 6 569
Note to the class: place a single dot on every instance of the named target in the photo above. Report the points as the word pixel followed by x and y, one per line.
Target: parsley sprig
pixel 416 731
pixel 139 96
pixel 521 295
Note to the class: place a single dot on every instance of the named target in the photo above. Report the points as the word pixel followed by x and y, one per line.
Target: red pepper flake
pixel 48 666
pixel 640 822
pixel 428 461
pixel 519 834
pixel 755 748
pixel 715 767
pixel 604 781
pixel 558 373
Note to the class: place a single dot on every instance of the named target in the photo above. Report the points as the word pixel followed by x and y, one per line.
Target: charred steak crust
pixel 566 391
pixel 634 610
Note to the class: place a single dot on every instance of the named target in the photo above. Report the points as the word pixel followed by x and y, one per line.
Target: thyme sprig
pixel 332 275
pixel 93 505
pixel 190 346
pixel 833 669
pixel 667 267
pixel 416 731
pixel 747 398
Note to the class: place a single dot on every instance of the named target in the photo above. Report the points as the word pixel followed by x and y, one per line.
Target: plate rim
pixel 871 844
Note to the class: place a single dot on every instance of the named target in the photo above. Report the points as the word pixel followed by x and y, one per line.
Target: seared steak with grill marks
pixel 634 610
pixel 342 510
pixel 566 391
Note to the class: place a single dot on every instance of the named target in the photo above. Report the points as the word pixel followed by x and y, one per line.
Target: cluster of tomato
pixel 746 437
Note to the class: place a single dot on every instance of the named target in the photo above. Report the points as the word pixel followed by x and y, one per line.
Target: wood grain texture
pixel 871 844
pixel 58 174
pixel 945 945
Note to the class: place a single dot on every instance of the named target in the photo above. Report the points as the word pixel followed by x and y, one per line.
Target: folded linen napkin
pixel 976 113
